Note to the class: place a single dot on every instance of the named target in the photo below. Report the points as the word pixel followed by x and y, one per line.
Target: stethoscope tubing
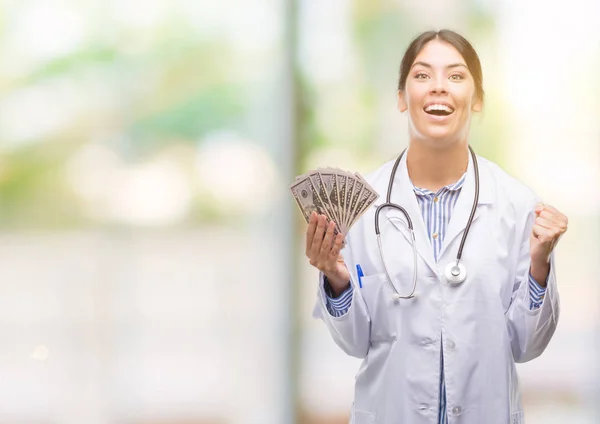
pixel 409 225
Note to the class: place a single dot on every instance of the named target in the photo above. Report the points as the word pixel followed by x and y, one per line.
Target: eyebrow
pixel 427 65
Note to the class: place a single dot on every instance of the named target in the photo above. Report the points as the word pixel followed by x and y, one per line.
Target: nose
pixel 439 85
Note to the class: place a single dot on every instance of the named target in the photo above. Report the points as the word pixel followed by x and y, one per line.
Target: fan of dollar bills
pixel 341 196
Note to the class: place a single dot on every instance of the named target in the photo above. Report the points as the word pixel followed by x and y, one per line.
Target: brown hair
pixel 454 39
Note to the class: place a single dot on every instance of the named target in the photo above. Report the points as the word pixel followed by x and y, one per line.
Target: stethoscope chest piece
pixel 455 273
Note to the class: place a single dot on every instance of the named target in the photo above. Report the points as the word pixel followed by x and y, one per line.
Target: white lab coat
pixel 485 323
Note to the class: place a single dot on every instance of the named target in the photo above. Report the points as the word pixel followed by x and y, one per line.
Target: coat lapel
pixel 464 205
pixel 404 195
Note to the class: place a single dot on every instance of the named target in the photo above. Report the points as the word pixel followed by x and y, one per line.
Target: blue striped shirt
pixel 436 210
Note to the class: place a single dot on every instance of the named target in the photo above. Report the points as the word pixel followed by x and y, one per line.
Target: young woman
pixel 482 264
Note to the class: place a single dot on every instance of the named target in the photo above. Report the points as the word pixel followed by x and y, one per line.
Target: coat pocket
pixel 362 417
pixel 378 297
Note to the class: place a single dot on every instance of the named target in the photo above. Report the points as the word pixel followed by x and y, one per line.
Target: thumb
pixel 539 208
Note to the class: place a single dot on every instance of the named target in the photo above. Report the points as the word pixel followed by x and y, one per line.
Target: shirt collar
pixel 450 187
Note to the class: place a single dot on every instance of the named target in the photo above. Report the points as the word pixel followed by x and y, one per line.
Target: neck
pixel 433 168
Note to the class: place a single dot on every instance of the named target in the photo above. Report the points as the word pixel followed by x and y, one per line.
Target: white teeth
pixel 438 107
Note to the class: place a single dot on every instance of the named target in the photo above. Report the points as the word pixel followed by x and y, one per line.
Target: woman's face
pixel 439 95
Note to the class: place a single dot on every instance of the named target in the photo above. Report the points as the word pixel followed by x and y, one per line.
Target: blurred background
pixel 151 262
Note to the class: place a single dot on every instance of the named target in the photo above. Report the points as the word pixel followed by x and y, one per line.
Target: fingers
pixel 549 217
pixel 555 216
pixel 547 231
pixel 539 208
pixel 545 209
pixel 318 237
pixel 545 222
pixel 310 232
pixel 322 245
pixel 542 234
pixel 550 209
pixel 337 246
pixel 327 243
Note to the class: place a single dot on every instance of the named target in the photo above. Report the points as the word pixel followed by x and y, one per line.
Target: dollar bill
pixel 353 199
pixel 358 176
pixel 308 200
pixel 342 187
pixel 318 184
pixel 303 194
pixel 329 179
pixel 350 182
pixel 341 196
pixel 368 197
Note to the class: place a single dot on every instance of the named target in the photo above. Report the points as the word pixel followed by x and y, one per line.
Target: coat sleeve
pixel 350 331
pixel 530 329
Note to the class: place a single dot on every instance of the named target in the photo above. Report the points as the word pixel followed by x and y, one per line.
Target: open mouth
pixel 438 109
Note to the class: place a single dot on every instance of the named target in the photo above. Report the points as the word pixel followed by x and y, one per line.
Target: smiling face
pixel 439 95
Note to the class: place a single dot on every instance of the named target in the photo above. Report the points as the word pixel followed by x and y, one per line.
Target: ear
pixel 402 106
pixel 477 104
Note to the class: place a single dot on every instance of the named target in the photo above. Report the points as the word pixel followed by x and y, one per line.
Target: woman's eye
pixel 456 77
pixel 421 75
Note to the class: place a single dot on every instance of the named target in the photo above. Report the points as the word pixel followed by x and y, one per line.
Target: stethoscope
pixel 455 272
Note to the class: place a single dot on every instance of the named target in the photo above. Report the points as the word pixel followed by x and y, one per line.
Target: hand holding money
pixel 331 201
pixel 341 196
pixel 323 252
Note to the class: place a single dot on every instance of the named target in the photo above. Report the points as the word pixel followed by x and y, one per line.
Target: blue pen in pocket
pixel 359 271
